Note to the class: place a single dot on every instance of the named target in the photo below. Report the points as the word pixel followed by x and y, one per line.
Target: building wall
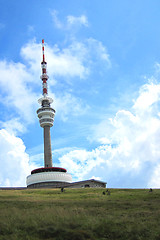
pixel 81 184
pixel 46 177
pixel 47 185
pixel 87 183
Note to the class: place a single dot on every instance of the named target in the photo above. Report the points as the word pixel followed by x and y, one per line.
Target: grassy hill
pixel 79 214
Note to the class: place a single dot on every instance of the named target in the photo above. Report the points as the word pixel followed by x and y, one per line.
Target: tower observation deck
pixel 48 176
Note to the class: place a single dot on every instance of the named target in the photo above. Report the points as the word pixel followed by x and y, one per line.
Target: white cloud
pixel 13 126
pixel 75 60
pixel 80 162
pixel 90 51
pixel 132 153
pixel 82 20
pixel 14 161
pixel 99 51
pixel 70 22
pixel 155 179
pixel 97 178
pixel 149 94
pixel 56 21
pixel 16 94
pixel 67 62
pixel 68 105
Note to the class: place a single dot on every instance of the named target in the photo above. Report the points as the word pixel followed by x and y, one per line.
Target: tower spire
pixel 43 50
pixel 44 75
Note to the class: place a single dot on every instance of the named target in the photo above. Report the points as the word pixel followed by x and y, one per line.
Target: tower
pixel 46 113
pixel 47 176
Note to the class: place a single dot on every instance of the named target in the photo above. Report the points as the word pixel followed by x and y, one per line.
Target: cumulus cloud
pixel 15 91
pixel 155 178
pixel 130 153
pixel 88 52
pixel 82 20
pixel 81 161
pixel 67 62
pixel 68 105
pixel 13 126
pixel 75 60
pixel 56 21
pixel 14 161
pixel 70 21
pixel 149 95
pixel 99 51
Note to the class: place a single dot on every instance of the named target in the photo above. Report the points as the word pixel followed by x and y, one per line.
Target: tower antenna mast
pixel 44 75
pixel 43 50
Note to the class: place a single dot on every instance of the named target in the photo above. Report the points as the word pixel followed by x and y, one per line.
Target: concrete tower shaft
pixel 47 147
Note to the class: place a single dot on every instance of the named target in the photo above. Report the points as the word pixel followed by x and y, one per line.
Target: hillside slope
pixel 78 214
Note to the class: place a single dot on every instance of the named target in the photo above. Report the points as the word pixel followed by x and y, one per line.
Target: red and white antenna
pixel 43 50
pixel 44 78
pixel 44 75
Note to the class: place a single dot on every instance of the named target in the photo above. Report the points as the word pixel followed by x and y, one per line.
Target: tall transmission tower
pixel 46 113
pixel 47 176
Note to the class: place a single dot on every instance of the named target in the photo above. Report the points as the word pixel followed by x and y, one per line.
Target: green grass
pixel 79 214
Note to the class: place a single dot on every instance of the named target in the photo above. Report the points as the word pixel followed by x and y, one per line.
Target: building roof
pixel 90 180
pixel 85 181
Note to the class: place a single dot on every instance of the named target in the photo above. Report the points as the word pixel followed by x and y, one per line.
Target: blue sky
pixel 104 67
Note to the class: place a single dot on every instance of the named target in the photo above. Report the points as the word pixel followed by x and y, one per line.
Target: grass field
pixel 79 214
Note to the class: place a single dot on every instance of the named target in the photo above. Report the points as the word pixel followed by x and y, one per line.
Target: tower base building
pixel 51 177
